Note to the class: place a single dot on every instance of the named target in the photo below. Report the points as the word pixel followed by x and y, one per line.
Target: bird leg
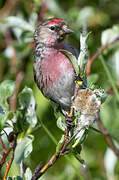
pixel 69 119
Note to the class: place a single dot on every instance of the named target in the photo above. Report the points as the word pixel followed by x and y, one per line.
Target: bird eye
pixel 52 28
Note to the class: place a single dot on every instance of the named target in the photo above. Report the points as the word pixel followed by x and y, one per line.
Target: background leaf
pixel 27 103
pixel 6 91
pixel 28 174
pixel 18 22
pixel 23 149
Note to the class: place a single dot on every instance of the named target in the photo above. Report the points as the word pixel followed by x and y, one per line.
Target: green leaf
pixel 58 115
pixel 79 139
pixel 76 152
pixel 77 149
pixel 72 59
pixel 27 36
pixel 78 157
pixel 27 103
pixel 109 34
pixel 28 174
pixel 92 79
pixel 13 21
pixel 61 124
pixel 23 149
pixel 83 58
pixel 9 178
pixel 3 118
pixel 59 145
pixel 6 90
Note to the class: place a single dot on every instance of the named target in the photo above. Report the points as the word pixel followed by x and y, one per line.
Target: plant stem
pixel 8 168
pixel 4 157
pixel 109 77
pixel 48 133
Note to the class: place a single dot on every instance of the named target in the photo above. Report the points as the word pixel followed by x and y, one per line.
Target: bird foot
pixel 69 119
pixel 69 123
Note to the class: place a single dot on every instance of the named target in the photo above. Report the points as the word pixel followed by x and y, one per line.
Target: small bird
pixel 53 71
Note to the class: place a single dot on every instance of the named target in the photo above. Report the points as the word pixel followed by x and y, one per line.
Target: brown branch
pixel 51 162
pixel 107 136
pixel 9 5
pixel 99 51
pixel 10 163
pixel 5 154
pixel 41 170
pixel 9 43
pixel 12 138
pixel 110 90
pixel 8 168
pixel 2 144
pixel 13 99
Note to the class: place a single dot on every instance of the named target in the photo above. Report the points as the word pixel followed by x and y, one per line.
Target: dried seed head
pixel 88 104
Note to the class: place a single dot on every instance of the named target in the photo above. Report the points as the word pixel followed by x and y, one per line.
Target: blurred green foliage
pixel 17 24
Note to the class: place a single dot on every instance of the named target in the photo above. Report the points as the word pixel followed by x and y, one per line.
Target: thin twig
pixel 13 99
pixel 45 167
pixel 8 168
pixel 2 144
pixel 107 136
pixel 98 52
pixel 11 160
pixel 5 154
pixel 12 147
pixel 69 141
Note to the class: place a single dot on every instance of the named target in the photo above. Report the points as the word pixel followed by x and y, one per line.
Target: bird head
pixel 52 32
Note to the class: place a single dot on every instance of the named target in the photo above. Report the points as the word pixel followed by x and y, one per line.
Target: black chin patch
pixel 61 38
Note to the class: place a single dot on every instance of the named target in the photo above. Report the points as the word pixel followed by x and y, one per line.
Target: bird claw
pixel 69 123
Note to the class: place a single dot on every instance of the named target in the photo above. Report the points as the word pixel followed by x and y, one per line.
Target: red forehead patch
pixel 55 21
